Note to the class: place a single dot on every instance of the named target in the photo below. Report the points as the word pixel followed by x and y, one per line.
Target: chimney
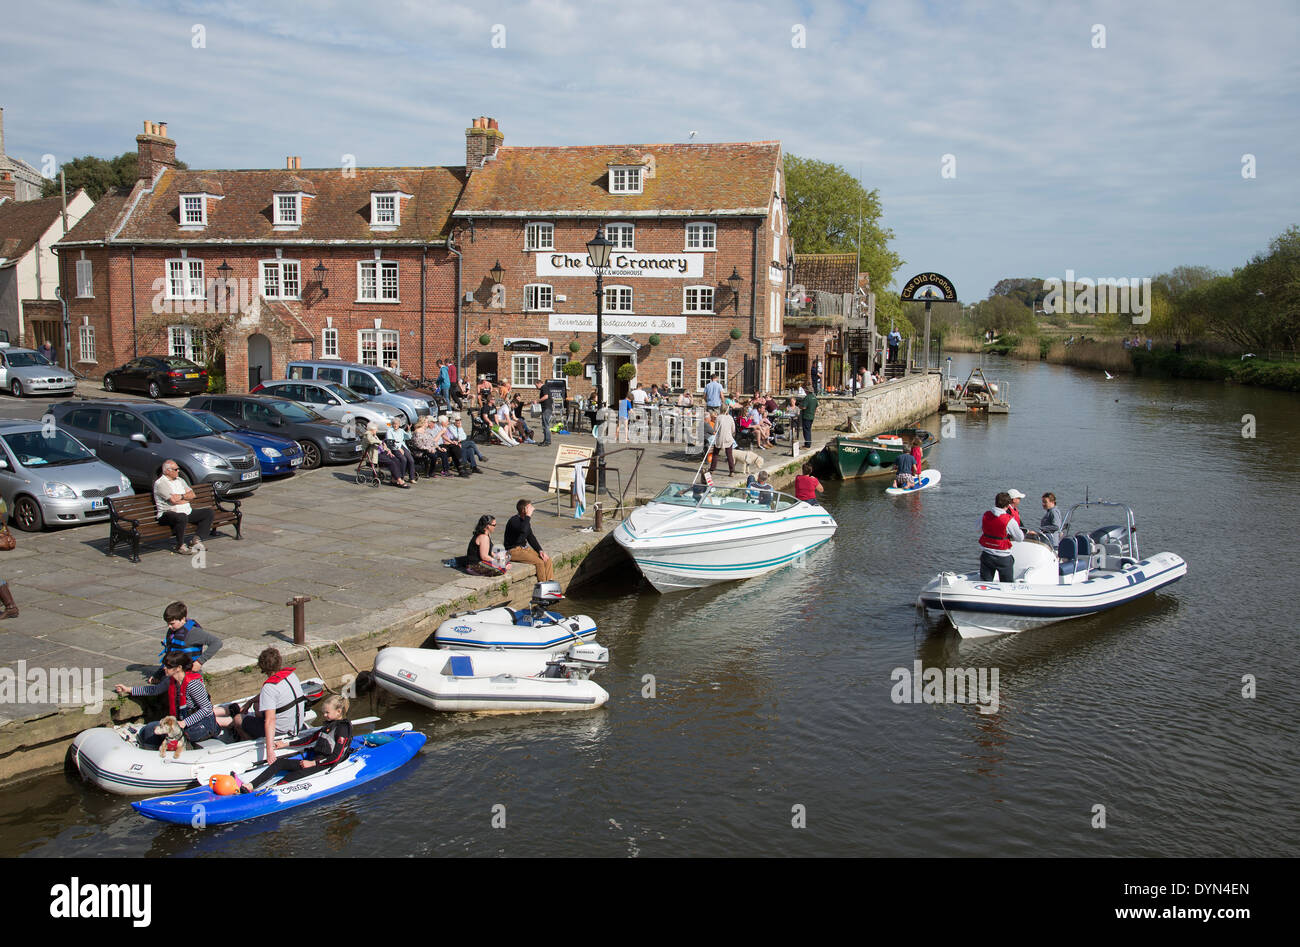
pixel 8 186
pixel 154 150
pixel 293 163
pixel 482 139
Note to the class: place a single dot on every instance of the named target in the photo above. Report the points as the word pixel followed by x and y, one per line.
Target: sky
pixel 1004 138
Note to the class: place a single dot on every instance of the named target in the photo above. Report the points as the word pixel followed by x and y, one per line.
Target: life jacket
pixel 298 703
pixel 994 529
pixel 334 743
pixel 174 642
pixel 176 694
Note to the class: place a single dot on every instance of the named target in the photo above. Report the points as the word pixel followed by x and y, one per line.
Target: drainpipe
pixel 135 339
pixel 753 310
pixel 424 261
pixel 458 333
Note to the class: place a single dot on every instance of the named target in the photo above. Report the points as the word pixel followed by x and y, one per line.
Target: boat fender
pixel 874 458
pixel 379 739
pixel 224 784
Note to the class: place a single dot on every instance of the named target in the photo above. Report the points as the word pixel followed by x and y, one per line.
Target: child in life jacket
pixel 333 744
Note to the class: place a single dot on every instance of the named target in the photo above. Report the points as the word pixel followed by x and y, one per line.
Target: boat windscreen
pixel 746 499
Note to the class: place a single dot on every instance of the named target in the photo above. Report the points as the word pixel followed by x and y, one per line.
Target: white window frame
pixel 86 337
pixel 706 236
pixel 557 366
pixel 623 299
pixel 278 217
pixel 704 367
pixel 698 309
pixel 539 235
pixel 533 297
pixel 381 343
pixel 279 267
pixel 623 236
pixel 774 313
pixel 187 342
pixel 203 210
pixel 627 179
pixel 329 342
pixel 776 216
pixel 190 277
pixel 532 373
pixel 379 268
pixel 375 222
pixel 85 280
pixel 677 365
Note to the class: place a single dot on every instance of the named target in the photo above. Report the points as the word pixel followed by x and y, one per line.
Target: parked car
pixel 26 371
pixel 137 436
pixel 321 440
pixel 157 375
pixel 332 400
pixel 373 383
pixel 51 478
pixel 275 455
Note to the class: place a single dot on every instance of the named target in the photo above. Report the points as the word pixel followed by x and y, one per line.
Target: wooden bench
pixel 135 518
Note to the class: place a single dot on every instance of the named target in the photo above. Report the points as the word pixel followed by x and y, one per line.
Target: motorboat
pixel 535 628
pixel 976 394
pixel 1089 573
pixel 494 681
pixel 694 535
pixel 876 456
pixel 371 756
pixel 112 759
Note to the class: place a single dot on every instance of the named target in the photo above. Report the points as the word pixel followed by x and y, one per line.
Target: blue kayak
pixel 201 807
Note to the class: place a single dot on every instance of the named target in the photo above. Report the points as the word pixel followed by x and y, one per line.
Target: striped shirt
pixel 196 699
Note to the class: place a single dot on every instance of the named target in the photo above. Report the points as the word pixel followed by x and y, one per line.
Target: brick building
pixel 267 265
pixel 393 265
pixel 683 219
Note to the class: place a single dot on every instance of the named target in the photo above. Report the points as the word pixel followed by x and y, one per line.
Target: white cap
pixel 1015 494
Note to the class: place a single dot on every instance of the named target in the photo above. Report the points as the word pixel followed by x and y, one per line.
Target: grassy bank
pixel 1284 376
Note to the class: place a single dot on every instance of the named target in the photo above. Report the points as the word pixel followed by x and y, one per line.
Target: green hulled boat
pixel 875 456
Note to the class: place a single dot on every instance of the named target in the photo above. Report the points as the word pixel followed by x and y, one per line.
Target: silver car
pixel 48 477
pixel 24 371
pixel 334 401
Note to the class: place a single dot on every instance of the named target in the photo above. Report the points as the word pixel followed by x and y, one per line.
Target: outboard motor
pixel 544 594
pixel 579 661
pixel 1111 536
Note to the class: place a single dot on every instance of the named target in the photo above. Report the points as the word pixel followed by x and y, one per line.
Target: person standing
pixel 47 352
pixel 817 376
pixel 1053 522
pixel 713 393
pixel 1014 507
pixel 523 546
pixel 725 440
pixel 6 596
pixel 895 339
pixel 807 413
pixel 444 382
pixel 172 496
pixel 998 529
pixel 548 406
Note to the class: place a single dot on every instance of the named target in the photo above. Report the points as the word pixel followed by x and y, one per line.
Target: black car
pixel 321 439
pixel 156 375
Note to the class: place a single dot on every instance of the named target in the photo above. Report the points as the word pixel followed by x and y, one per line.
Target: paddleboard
pixel 928 479
pixel 202 807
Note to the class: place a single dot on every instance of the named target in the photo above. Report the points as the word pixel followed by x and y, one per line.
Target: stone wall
pixel 896 403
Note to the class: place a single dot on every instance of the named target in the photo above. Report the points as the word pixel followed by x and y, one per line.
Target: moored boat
pixel 690 536
pixel 494 681
pixel 526 629
pixel 1089 573
pixel 875 456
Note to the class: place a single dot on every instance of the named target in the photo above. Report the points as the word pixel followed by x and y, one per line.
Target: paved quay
pixel 371 559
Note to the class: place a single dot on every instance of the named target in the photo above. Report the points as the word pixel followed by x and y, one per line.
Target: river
pixel 772 730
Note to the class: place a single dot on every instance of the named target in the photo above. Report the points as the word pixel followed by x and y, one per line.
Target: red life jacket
pixel 994 528
pixel 297 703
pixel 280 675
pixel 176 698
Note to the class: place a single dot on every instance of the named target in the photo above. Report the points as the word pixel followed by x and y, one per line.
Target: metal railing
pixel 599 469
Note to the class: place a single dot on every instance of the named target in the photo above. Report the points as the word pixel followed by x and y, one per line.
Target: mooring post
pixel 600 518
pixel 299 606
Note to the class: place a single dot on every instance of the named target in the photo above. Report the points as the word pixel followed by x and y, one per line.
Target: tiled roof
pixel 102 219
pixel 339 212
pixel 22 223
pixel 684 179
pixel 827 272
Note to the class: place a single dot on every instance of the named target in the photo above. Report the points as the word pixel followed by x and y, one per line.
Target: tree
pixel 97 175
pixel 1004 314
pixel 825 204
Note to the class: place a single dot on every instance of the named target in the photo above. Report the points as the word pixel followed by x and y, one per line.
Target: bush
pixel 217 382
pixel 626 371
pixel 575 347
pixel 573 369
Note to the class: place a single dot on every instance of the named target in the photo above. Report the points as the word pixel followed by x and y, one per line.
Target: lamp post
pixel 225 270
pixel 598 249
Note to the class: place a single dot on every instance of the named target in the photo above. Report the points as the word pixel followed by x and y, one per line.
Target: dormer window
pixel 194 210
pixel 625 180
pixel 288 210
pixel 385 211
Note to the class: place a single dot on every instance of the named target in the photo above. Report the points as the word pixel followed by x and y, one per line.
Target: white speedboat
pixel 1089 573
pixel 110 757
pixel 691 536
pixel 525 629
pixel 494 681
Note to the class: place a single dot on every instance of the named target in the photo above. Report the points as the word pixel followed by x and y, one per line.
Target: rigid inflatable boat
pixel 494 681
pixel 525 629
pixel 1089 573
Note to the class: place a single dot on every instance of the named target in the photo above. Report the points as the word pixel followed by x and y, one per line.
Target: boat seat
pixel 462 666
pixel 524 618
pixel 1072 563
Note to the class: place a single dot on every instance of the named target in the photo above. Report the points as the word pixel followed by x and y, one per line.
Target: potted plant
pixel 574 347
pixel 626 371
pixel 655 340
pixel 484 339
pixel 573 369
pixel 735 333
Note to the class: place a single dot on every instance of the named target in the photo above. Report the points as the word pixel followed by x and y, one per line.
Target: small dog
pixel 748 458
pixel 173 737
